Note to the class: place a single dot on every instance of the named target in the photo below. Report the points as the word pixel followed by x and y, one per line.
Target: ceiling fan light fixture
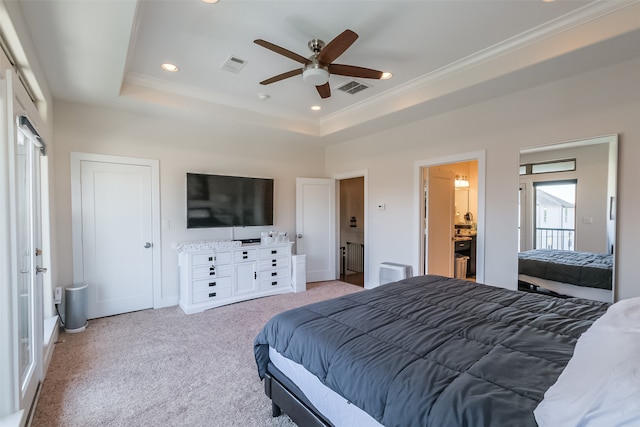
pixel 315 74
pixel 386 76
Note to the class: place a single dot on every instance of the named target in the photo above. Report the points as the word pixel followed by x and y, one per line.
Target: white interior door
pixel 116 236
pixel 316 227
pixel 440 210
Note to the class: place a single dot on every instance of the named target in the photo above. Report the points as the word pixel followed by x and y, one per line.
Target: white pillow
pixel 600 386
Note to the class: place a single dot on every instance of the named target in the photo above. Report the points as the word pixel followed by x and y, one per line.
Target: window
pixel 567 165
pixel 555 214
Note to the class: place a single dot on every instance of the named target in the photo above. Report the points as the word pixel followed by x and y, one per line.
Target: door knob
pixel 41 270
pixel 147 245
pixel 299 236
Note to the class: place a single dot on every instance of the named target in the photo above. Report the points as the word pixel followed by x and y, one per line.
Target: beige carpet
pixel 164 368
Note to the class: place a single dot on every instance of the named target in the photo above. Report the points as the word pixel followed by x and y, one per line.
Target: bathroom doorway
pixel 451 216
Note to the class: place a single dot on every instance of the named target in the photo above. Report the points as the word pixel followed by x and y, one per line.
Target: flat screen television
pixel 228 201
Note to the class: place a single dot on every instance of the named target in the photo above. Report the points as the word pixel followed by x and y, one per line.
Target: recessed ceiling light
pixel 210 1
pixel 386 76
pixel 316 108
pixel 169 67
pixel 263 96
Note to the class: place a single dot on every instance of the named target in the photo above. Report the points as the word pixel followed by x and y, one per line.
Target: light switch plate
pixel 57 295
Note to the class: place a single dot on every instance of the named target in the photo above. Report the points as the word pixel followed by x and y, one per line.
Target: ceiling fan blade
pixel 282 51
pixel 353 71
pixel 324 91
pixel 337 46
pixel 282 76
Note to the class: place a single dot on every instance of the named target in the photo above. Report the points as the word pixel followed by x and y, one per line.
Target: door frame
pixel 418 206
pixel 76 215
pixel 363 173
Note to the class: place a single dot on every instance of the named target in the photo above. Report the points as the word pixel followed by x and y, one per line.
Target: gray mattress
pixel 434 351
pixel 587 269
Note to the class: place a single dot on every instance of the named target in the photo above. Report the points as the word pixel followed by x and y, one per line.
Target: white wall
pixel 180 147
pixel 602 102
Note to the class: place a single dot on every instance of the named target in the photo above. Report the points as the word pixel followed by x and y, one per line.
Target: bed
pixel 424 351
pixel 573 273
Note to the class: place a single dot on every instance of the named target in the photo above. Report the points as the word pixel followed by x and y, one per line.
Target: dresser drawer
pixel 275 251
pixel 211 258
pixel 213 284
pixel 279 282
pixel 245 255
pixel 211 271
pixel 202 259
pixel 273 262
pixel 274 274
pixel 210 295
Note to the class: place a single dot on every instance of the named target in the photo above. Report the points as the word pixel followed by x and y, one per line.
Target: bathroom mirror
pixel 567 218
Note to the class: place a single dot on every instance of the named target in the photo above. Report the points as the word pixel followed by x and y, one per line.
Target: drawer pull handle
pixel 274 265
pixel 275 273
pixel 274 283
pixel 212 294
pixel 274 251
pixel 245 257
pixel 210 258
pixel 273 260
pixel 212 284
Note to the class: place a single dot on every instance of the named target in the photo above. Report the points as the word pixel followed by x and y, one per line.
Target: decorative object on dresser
pixel 215 273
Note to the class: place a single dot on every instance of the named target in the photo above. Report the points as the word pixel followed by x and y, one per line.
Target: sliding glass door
pixel 29 264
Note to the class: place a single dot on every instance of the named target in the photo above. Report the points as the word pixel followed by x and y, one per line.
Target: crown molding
pixel 407 94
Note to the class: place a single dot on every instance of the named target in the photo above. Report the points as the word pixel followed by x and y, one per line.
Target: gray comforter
pixel 433 351
pixel 588 269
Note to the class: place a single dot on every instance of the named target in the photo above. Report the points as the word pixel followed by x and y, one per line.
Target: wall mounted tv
pixel 228 201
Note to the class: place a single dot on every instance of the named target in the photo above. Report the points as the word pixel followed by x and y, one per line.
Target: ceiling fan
pixel 319 66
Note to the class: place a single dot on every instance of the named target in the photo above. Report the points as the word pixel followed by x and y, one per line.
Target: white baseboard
pixel 51 331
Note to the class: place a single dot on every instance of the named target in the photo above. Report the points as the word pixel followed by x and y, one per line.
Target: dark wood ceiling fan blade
pixel 353 71
pixel 324 91
pixel 337 46
pixel 282 51
pixel 282 76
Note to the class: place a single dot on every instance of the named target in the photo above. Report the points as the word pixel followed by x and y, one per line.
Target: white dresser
pixel 218 273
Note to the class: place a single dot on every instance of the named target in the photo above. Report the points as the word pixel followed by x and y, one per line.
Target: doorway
pixel 351 228
pixel 451 216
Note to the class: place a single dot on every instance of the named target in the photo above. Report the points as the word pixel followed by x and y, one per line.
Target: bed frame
pixel 287 401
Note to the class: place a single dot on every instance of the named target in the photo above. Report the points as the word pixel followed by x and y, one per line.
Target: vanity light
pixel 172 68
pixel 461 182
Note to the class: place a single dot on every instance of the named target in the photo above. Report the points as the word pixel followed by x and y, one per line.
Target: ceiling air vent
pixel 233 64
pixel 352 87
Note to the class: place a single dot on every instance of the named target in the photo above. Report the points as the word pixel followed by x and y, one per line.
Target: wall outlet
pixel 57 295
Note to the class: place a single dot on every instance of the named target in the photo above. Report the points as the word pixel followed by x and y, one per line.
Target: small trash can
pixel 460 267
pixel 75 302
